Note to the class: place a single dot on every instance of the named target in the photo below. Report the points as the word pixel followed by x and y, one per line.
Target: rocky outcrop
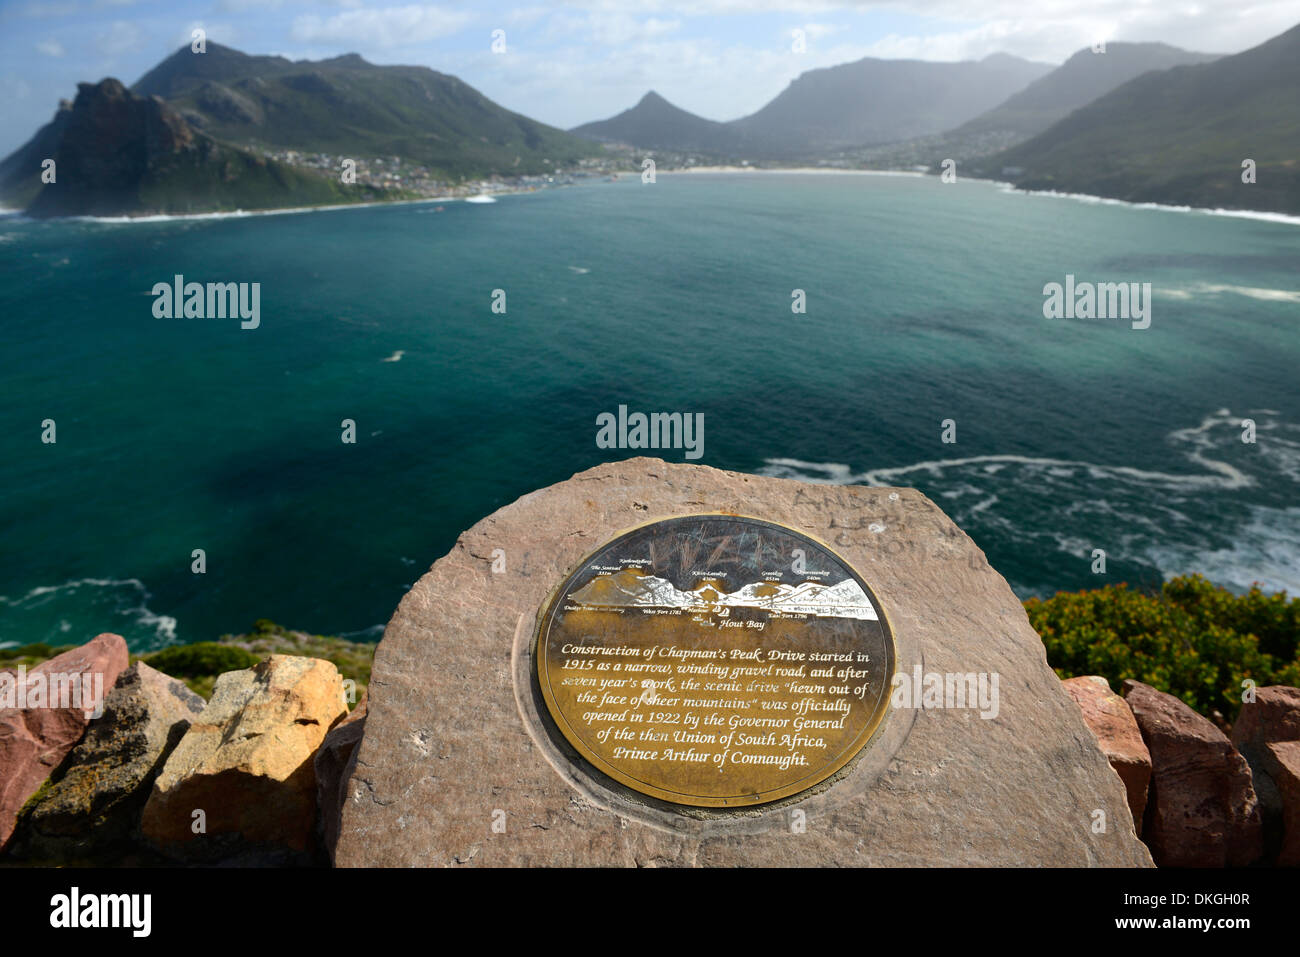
pixel 90 811
pixel 44 713
pixel 334 765
pixel 457 764
pixel 1108 717
pixel 242 781
pixel 116 153
pixel 1267 733
pixel 1283 765
pixel 110 143
pixel 1202 809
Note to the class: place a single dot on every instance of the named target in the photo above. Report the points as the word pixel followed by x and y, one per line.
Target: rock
pixel 1266 733
pixel 113 144
pixel 333 762
pixel 1108 717
pixel 1284 770
pixel 36 738
pixel 457 766
pixel 246 763
pixel 1202 809
pixel 1274 715
pixel 90 811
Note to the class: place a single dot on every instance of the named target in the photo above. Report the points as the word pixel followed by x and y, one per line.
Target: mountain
pixel 1077 82
pixel 880 101
pixel 655 123
pixel 632 588
pixel 869 101
pixel 117 153
pixel 1179 136
pixel 346 106
pixel 20 171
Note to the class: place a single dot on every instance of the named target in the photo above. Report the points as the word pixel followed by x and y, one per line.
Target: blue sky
pixel 569 62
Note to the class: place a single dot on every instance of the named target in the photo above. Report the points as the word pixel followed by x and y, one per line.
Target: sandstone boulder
pixel 1203 810
pixel 333 764
pixel 1274 715
pixel 246 763
pixel 44 713
pixel 457 765
pixel 1284 770
pixel 90 811
pixel 1267 733
pixel 1108 717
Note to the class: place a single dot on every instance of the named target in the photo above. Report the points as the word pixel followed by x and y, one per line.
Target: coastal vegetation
pixel 1191 639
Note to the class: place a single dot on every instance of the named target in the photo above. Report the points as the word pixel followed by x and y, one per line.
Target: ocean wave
pixel 105 604
pixel 1265 551
pixel 244 213
pixel 1225 476
pixel 1217 474
pixel 1256 214
pixel 1171 523
pixel 1213 289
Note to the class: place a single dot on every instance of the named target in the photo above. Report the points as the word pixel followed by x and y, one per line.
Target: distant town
pixel 404 178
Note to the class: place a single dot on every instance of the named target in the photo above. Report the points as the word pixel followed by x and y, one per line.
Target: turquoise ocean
pixel 924 303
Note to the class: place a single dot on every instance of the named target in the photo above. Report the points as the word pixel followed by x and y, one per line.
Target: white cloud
pixel 120 38
pixel 50 48
pixel 385 28
pixel 815 31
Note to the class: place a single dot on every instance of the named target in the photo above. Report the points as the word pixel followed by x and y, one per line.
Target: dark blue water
pixel 924 304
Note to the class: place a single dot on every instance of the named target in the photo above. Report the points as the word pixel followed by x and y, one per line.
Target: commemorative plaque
pixel 715 660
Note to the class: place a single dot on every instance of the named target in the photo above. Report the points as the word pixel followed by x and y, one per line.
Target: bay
pixel 924 303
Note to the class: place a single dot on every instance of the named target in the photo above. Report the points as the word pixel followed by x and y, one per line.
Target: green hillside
pixel 1077 82
pixel 348 107
pixel 120 154
pixel 1179 136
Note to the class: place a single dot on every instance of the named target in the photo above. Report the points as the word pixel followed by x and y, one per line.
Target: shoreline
pixel 800 170
pixel 1260 215
pixel 278 211
pixel 1256 215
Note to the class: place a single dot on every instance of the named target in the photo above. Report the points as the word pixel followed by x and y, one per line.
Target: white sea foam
pixel 1265 550
pixel 1148 518
pixel 127 598
pixel 395 357
pixel 246 213
pixel 793 171
pixel 481 198
pixel 1261 215
pixel 1224 475
pixel 1203 289
pixel 1217 474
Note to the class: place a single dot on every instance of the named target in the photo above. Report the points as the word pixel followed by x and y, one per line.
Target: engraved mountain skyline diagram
pixel 632 588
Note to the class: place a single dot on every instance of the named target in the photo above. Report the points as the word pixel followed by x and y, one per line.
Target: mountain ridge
pixel 347 106
pixel 824 109
pixel 116 153
pixel 1178 136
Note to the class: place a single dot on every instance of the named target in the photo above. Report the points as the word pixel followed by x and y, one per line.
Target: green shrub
pixel 200 660
pixel 1192 639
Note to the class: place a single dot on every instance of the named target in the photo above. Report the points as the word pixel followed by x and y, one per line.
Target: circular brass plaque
pixel 715 660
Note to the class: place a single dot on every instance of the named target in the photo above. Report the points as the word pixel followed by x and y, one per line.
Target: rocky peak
pixel 108 143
